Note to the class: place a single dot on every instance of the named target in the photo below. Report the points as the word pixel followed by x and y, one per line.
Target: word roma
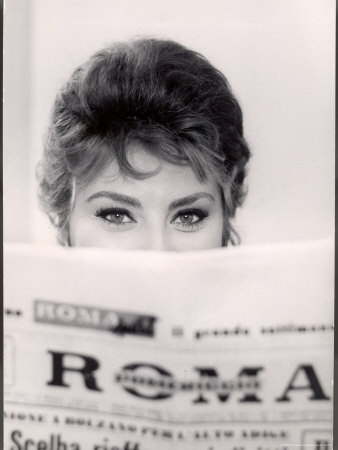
pixel 80 316
pixel 163 385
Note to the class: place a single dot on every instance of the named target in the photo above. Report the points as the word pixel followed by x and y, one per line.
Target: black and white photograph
pixel 168 224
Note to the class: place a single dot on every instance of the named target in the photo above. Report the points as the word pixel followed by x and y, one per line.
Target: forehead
pixel 167 180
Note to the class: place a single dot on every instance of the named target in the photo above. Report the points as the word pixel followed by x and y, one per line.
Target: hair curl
pixel 155 92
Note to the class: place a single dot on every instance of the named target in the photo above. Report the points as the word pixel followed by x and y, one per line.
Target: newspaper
pixel 223 349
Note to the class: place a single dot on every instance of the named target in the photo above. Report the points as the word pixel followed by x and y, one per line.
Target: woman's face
pixel 171 210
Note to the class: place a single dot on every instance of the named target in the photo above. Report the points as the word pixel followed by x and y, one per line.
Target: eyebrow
pixel 135 203
pixel 120 198
pixel 190 199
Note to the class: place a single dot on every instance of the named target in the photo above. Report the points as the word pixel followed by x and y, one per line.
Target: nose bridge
pixel 158 239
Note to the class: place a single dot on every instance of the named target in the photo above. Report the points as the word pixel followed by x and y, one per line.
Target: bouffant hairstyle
pixel 159 94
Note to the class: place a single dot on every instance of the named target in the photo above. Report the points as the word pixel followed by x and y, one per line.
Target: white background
pixel 277 54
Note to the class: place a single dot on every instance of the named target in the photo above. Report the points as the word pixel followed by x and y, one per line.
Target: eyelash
pixel 103 212
pixel 201 214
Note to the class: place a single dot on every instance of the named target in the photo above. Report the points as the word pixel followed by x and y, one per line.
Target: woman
pixel 145 150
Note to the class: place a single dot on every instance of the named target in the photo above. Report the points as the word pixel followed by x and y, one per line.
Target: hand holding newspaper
pixel 139 351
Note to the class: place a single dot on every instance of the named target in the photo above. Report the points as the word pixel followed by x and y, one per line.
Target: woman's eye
pixel 115 216
pixel 189 219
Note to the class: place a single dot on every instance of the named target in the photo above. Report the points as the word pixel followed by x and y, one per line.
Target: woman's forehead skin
pixel 169 181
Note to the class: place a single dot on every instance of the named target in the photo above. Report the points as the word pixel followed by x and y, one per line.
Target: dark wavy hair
pixel 154 92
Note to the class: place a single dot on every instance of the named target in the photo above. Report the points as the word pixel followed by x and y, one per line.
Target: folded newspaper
pixel 220 349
